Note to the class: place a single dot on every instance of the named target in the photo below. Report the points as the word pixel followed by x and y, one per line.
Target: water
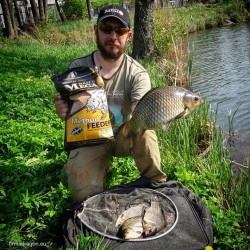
pixel 221 72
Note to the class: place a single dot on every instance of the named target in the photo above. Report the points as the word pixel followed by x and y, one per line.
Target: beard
pixel 111 49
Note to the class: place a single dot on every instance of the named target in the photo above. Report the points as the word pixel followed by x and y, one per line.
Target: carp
pixel 133 211
pixel 153 220
pixel 141 221
pixel 132 228
pixel 159 107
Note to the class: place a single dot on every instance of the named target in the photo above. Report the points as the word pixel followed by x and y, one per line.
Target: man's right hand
pixel 61 106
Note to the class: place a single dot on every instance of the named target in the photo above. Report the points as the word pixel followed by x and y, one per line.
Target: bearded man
pixel 126 81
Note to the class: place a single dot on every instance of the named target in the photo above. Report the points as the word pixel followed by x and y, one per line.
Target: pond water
pixel 221 72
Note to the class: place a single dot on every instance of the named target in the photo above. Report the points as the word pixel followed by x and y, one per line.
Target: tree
pixel 34 10
pixel 61 12
pixel 18 13
pixel 43 9
pixel 89 9
pixel 8 14
pixel 143 41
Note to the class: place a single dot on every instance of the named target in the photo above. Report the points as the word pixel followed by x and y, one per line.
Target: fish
pixel 141 220
pixel 132 228
pixel 133 211
pixel 153 220
pixel 159 107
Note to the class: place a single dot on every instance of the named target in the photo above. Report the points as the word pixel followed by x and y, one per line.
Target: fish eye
pixel 196 99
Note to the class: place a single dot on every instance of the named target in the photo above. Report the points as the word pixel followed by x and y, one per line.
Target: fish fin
pixel 143 211
pixel 127 130
pixel 166 126
pixel 183 113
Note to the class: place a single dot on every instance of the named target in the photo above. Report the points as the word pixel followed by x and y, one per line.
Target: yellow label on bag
pixel 89 118
pixel 86 125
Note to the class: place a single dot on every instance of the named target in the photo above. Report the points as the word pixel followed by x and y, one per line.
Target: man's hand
pixel 61 106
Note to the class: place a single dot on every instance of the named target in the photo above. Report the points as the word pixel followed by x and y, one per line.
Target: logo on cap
pixel 114 10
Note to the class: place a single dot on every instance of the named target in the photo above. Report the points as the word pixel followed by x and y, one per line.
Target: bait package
pixel 88 121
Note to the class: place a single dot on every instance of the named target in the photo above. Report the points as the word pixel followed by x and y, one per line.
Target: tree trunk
pixel 45 9
pixel 89 9
pixel 31 18
pixel 12 14
pixel 60 11
pixel 7 19
pixel 143 41
pixel 41 10
pixel 8 15
pixel 25 3
pixel 34 10
pixel 18 14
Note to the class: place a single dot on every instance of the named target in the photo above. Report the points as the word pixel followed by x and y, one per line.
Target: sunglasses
pixel 107 29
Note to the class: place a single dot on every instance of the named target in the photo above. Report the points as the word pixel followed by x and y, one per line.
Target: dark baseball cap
pixel 114 11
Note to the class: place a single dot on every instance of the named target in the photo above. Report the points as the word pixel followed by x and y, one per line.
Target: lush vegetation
pixel 78 8
pixel 32 192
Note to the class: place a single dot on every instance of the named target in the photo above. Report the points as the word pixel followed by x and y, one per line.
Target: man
pixel 126 81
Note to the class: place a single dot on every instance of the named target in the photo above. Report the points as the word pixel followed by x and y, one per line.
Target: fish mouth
pixel 150 231
pixel 202 101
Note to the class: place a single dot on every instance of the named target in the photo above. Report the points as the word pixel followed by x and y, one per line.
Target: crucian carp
pixel 141 221
pixel 159 107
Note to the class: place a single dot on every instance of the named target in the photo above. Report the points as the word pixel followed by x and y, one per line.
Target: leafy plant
pixel 74 9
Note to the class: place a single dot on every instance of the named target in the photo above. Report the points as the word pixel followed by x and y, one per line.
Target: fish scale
pixel 153 220
pixel 161 105
pixel 146 223
pixel 133 211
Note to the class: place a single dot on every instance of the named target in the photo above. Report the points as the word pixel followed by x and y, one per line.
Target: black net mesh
pixel 190 229
pixel 101 212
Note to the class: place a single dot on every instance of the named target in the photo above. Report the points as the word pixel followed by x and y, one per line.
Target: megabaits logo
pixel 114 10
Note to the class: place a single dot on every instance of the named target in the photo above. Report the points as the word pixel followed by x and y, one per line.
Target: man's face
pixel 112 38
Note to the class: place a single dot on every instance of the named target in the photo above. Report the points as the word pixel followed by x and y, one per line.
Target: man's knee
pixel 84 192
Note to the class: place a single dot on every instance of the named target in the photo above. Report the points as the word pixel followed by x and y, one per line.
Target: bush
pixel 74 8
pixel 78 8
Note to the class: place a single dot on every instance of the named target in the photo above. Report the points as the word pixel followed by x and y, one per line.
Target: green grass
pixel 32 195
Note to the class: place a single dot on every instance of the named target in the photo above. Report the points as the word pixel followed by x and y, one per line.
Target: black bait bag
pixel 188 222
pixel 88 121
